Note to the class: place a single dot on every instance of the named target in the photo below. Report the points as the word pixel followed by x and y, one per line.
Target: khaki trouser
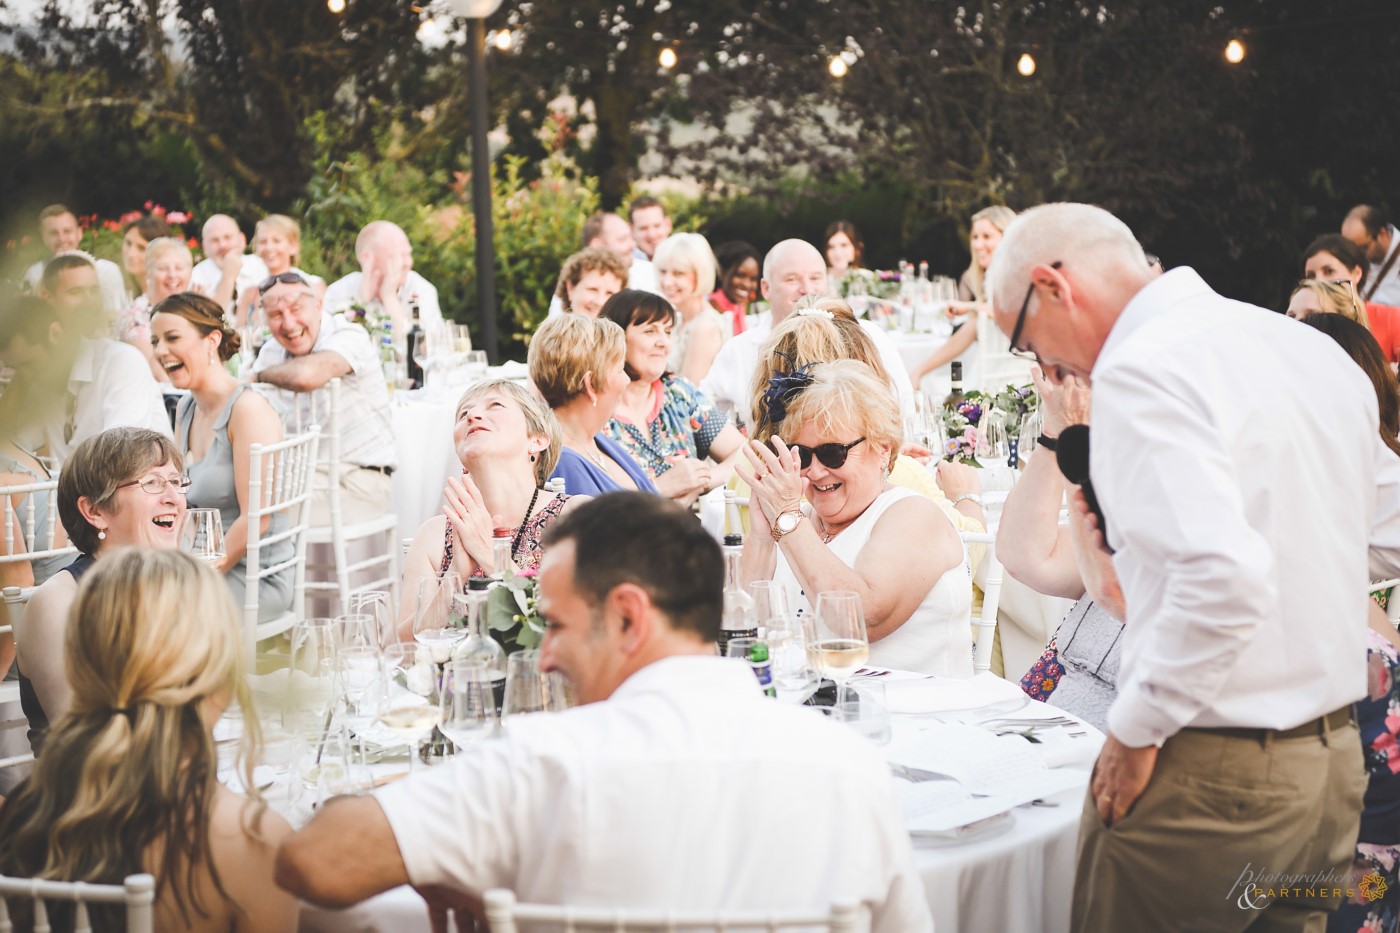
pixel 1218 812
pixel 364 494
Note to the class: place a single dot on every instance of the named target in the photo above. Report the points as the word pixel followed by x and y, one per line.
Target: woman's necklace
pixel 520 532
pixel 589 450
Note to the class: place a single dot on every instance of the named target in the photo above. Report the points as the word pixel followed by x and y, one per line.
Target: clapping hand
pixel 472 523
pixel 775 479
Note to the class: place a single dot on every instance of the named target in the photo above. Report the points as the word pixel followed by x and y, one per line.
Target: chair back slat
pixel 36 539
pixel 279 483
pixel 985 640
pixel 137 893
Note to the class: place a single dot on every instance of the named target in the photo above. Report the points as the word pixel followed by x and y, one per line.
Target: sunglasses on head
pixel 286 278
pixel 832 456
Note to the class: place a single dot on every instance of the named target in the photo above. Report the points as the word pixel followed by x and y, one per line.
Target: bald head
pixel 384 244
pixel 221 236
pixel 1082 266
pixel 792 269
pixel 1368 228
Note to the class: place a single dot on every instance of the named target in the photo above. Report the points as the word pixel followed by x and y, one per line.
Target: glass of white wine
pixel 411 711
pixel 202 534
pixel 837 644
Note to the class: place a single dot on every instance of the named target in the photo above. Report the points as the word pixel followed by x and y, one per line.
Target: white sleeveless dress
pixel 937 638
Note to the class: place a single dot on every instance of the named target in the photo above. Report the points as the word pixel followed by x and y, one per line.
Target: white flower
pixel 419 678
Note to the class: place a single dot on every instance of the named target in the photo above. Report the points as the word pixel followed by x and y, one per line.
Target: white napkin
pixel 913 693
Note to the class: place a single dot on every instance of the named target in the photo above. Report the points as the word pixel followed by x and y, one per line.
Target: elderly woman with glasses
pixel 825 518
pixel 122 488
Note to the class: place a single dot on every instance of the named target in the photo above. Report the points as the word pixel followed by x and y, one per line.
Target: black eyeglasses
pixel 832 456
pixel 1021 321
pixel 286 278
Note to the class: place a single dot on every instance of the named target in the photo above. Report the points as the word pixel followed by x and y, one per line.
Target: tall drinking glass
pixel 769 601
pixel 530 690
pixel 436 625
pixel 311 674
pixel 468 703
pixel 202 534
pixel 837 644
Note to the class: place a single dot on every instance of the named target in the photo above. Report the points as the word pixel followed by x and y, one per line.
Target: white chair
pixel 383 565
pixel 991 599
pixel 279 483
pixel 36 539
pixel 503 912
pixel 1392 603
pixel 733 517
pixel 137 892
pixel 12 721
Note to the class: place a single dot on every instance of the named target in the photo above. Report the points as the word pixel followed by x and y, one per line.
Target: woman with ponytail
pixel 215 426
pixel 127 782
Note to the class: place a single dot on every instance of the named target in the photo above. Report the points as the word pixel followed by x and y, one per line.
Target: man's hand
pixel 230 263
pixel 372 280
pixel 1120 776
pixel 1061 405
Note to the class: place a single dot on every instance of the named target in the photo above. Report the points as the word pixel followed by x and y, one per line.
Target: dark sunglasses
pixel 286 278
pixel 832 456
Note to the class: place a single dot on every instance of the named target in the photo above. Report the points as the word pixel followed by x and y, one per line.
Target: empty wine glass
pixel 436 624
pixel 376 603
pixel 468 703
pixel 362 687
pixel 794 679
pixel 835 636
pixel 310 685
pixel 769 600
pixel 357 629
pixel 529 689
pixel 202 534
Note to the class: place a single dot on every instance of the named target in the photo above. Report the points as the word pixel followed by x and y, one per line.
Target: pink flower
pixel 149 204
pixel 111 225
pixel 178 217
pixel 129 216
pixel 528 572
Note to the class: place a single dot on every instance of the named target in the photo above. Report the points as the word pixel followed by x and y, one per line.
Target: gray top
pixel 45 511
pixel 212 487
pixel 1090 647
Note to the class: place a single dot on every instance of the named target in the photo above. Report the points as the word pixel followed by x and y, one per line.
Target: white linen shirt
pixel 366 432
pixel 110 386
pixel 344 292
pixel 206 275
pixel 115 298
pixel 1388 291
pixel 1236 455
pixel 729 383
pixel 687 789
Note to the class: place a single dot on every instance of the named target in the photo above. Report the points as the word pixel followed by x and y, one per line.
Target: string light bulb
pixel 1234 51
pixel 502 40
pixel 838 67
pixel 336 6
pixel 667 58
pixel 1026 64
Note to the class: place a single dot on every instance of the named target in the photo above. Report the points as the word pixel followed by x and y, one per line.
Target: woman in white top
pixel 685 265
pixel 890 545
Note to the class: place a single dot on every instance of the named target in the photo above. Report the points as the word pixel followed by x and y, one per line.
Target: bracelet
pixel 1046 441
pixel 968 497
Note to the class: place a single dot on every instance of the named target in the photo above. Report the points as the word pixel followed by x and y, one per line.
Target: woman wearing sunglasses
pixel 837 431
pixel 123 488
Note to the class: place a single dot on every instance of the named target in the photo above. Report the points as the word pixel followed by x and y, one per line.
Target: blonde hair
pixel 538 420
pixel 153 644
pixel 588 260
pixel 999 216
pixel 690 252
pixel 162 245
pixel 846 395
pixel 821 329
pixel 280 223
pixel 569 347
pixel 1335 298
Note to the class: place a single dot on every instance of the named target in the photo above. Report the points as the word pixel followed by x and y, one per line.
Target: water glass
pixel 769 600
pixel 362 686
pixel 436 624
pixel 468 703
pixel 794 678
pixel 413 709
pixel 376 603
pixel 311 674
pixel 357 629
pixel 531 690
pixel 474 365
pixel 202 534
pixel 865 709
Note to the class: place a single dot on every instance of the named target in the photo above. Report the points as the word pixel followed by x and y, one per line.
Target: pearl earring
pixel 101 536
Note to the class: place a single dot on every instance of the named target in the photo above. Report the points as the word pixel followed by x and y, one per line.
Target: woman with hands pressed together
pixel 508 443
pixel 1079 670
pixel 837 430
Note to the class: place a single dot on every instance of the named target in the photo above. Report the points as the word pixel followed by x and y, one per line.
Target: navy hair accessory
pixel 783 389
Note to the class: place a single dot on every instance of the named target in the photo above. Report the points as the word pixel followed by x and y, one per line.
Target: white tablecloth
pixel 1020 878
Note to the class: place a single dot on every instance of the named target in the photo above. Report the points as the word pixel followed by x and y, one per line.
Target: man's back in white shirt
pixel 206 275
pixel 686 789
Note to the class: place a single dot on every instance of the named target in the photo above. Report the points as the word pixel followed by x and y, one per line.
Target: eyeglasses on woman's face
pixel 155 485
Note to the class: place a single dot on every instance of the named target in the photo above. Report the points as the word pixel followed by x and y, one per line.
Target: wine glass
pixel 468 703
pixel 202 534
pixel 311 673
pixel 769 600
pixel 835 637
pixel 357 629
pixel 362 688
pixel 793 676
pixel 529 689
pixel 376 603
pixel 412 710
pixel 436 625
pixel 474 364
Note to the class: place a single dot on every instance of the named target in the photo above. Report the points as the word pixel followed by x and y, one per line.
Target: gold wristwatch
pixel 787 523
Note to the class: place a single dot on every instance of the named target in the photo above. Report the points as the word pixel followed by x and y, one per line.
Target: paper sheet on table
pixel 1002 766
pixel 914 694
pixel 510 369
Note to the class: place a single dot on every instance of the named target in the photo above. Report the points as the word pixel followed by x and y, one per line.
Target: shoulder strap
pixel 1385 270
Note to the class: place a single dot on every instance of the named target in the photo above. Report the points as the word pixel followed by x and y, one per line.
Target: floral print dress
pixel 683 424
pixel 1375 904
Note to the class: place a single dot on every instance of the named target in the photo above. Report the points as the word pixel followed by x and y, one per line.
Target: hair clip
pixel 783 389
pixel 816 312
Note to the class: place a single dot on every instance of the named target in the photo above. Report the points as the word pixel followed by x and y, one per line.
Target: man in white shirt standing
pixel 650 225
pixel 676 784
pixel 386 282
pixel 60 232
pixel 1240 500
pixel 310 348
pixel 226 271
pixel 1368 228
pixel 108 385
pixel 791 270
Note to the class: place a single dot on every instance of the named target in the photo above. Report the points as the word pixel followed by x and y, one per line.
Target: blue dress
pixel 212 487
pixel 585 478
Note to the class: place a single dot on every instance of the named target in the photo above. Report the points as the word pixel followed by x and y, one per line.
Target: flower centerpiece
pixel 512 613
pixel 960 423
pixel 372 319
pixel 1016 404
